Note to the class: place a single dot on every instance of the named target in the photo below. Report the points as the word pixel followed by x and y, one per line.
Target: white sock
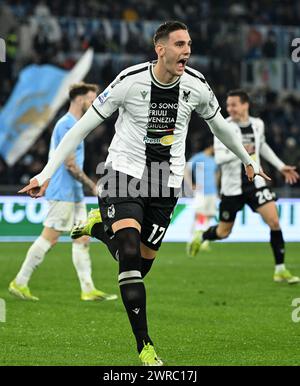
pixel 279 268
pixel 34 257
pixel 82 263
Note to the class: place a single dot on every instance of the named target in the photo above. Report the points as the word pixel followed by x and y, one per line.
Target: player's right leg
pixel 123 218
pixel 35 256
pixel 133 293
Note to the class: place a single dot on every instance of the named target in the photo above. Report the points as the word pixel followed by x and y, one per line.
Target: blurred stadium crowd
pixel 223 33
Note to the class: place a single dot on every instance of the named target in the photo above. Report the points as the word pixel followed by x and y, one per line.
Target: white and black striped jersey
pixel 233 178
pixel 153 118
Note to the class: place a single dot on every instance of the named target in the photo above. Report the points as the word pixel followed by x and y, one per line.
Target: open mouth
pixel 181 63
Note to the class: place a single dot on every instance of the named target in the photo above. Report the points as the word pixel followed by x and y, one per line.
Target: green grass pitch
pixel 221 308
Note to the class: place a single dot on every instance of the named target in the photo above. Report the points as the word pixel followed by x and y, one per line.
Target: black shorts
pixel 152 213
pixel 255 198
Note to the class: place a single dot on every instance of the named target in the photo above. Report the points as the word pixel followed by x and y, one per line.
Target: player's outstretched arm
pixel 79 174
pixel 38 184
pixel 223 131
pixel 289 172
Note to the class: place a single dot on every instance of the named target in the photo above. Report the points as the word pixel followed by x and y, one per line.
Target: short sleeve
pixel 209 105
pixel 111 98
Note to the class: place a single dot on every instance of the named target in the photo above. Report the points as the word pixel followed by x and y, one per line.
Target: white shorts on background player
pixel 63 215
pixel 205 204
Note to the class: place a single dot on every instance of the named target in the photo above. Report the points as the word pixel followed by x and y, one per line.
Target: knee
pixel 80 245
pixel 128 243
pixel 53 241
pixel 274 224
pixel 84 240
pixel 147 253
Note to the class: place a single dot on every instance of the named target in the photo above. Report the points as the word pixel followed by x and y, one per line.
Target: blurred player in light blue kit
pixel 201 175
pixel 66 206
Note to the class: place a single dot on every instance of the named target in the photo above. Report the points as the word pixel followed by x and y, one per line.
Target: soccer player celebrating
pixel 65 195
pixel 155 101
pixel 237 190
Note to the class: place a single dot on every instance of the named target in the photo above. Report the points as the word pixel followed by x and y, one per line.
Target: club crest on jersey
pixel 144 94
pixel 111 211
pixel 102 97
pixel 186 95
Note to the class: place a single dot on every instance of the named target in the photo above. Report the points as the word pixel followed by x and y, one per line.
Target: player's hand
pixel 33 189
pixel 290 174
pixel 251 174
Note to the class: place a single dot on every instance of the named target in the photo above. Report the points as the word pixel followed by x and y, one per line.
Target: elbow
pixel 69 166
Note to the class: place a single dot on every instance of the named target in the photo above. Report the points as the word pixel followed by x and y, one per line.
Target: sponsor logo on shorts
pixel 111 211
pixel 167 140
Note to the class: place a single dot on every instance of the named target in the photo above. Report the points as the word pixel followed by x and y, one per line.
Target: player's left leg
pixel 269 213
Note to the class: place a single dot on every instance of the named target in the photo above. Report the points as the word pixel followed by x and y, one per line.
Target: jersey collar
pixel 157 82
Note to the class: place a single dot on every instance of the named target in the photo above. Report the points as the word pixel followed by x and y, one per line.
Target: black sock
pixel 131 284
pixel 277 244
pixel 146 266
pixel 211 234
pixel 99 233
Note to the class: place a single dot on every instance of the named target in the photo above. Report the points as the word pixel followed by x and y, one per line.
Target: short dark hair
pixel 166 28
pixel 244 96
pixel 81 88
